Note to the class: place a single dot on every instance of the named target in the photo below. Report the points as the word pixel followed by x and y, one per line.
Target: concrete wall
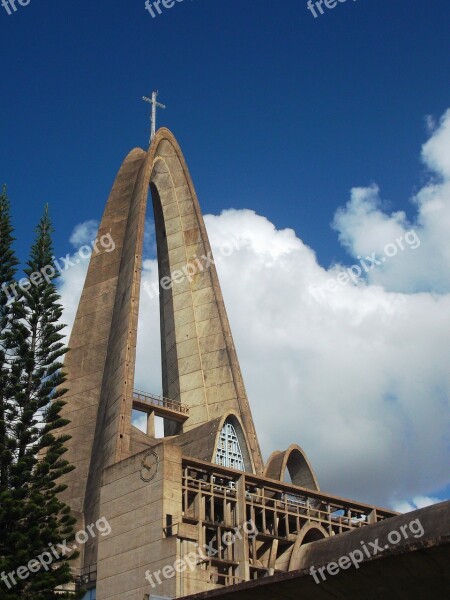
pixel 136 511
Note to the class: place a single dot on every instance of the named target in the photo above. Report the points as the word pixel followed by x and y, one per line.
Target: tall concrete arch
pixel 199 362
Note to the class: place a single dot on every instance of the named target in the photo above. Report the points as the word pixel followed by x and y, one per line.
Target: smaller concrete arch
pixel 312 532
pixel 293 460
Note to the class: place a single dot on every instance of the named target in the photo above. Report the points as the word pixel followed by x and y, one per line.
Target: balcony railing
pixel 160 402
pixel 279 509
pixel 86 578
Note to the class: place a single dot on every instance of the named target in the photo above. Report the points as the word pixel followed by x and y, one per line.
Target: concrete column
pixel 151 423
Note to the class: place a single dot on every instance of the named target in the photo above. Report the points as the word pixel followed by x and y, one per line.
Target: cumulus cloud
pixel 416 502
pixel 358 374
pixel 364 228
pixel 70 285
pixel 148 364
pixel 84 233
pixel 358 377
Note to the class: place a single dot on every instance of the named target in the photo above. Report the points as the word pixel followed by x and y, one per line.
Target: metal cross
pixel 154 104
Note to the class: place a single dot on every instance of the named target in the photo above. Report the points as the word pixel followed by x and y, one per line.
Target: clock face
pixel 150 464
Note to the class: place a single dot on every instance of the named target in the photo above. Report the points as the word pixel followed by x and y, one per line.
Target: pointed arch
pixel 200 364
pixel 238 456
pixel 228 450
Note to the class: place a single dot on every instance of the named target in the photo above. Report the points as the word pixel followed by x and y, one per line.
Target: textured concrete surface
pixel 414 569
pixel 95 367
pixel 293 460
pixel 200 369
pixel 135 509
pixel 200 365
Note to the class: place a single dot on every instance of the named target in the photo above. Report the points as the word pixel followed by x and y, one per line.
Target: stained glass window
pixel 229 453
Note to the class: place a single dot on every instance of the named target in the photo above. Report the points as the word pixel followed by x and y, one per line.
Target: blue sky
pixel 275 111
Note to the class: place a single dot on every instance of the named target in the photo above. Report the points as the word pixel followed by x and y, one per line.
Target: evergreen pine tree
pixel 8 264
pixel 31 514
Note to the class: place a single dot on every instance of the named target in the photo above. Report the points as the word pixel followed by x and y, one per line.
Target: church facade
pixel 198 509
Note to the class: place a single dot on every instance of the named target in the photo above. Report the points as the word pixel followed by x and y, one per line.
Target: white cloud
pixel 365 228
pixel 73 272
pixel 84 233
pixel 70 287
pixel 436 152
pixel 358 377
pixel 148 370
pixel 430 123
pixel 415 503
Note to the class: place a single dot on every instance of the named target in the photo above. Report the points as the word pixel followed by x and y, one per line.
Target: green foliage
pixel 32 518
pixel 8 264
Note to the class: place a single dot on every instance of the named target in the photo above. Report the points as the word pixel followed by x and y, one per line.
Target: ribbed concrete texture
pixel 199 361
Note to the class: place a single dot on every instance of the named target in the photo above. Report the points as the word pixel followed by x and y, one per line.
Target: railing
pixel 278 498
pixel 216 499
pixel 160 401
pixel 87 577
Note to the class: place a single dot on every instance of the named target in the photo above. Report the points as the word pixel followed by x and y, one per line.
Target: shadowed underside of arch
pixel 199 363
pixel 312 532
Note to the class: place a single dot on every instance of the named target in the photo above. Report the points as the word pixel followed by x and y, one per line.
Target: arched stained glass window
pixel 229 453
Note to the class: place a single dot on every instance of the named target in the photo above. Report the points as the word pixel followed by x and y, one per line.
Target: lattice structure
pixel 229 453
pixel 217 500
